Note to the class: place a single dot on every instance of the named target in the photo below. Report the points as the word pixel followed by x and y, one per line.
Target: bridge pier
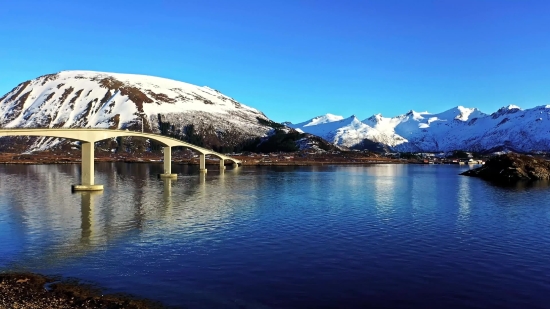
pixel 235 165
pixel 222 165
pixel 202 163
pixel 88 136
pixel 168 164
pixel 87 169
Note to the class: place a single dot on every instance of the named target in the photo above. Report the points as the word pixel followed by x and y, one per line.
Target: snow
pixel 432 119
pixel 465 113
pixel 327 118
pixel 418 116
pixel 74 99
pixel 346 132
pixel 457 128
pixel 38 107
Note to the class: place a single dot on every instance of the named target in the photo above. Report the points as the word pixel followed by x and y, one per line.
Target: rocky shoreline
pixel 34 291
pixel 284 159
pixel 512 167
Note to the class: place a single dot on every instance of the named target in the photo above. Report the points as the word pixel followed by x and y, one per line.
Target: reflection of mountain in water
pixel 61 225
pixel 464 199
pixel 384 186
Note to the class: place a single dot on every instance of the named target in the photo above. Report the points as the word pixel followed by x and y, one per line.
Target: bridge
pixel 88 137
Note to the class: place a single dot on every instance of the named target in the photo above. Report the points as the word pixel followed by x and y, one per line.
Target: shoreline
pixel 183 158
pixel 213 164
pixel 35 291
pixel 46 160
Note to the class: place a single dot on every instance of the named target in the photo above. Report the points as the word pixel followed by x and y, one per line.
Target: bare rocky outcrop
pixel 512 167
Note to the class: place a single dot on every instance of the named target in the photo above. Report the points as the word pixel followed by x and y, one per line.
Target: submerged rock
pixel 512 167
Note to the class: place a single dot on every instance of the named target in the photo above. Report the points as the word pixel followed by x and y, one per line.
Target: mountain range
pixel 88 99
pixel 509 128
pixel 203 115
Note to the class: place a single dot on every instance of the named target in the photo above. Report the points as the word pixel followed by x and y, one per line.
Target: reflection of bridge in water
pixel 89 136
pixel 61 226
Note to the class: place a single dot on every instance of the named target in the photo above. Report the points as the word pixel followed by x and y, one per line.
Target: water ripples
pixel 392 236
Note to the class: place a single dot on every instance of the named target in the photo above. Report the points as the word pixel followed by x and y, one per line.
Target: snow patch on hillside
pixel 119 101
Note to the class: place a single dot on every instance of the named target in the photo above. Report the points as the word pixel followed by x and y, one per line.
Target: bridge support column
pixel 235 165
pixel 168 164
pixel 202 163
pixel 87 169
pixel 222 165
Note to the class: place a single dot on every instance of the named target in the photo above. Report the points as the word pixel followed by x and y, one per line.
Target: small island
pixel 512 167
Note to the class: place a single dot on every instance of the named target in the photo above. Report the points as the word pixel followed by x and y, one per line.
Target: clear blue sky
pixel 296 59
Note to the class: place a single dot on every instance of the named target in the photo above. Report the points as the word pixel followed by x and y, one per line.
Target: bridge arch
pixel 89 136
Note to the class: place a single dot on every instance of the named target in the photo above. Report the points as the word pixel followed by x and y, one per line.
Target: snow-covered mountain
pixel 423 131
pixel 459 128
pixel 125 101
pixel 348 132
pixel 109 100
pixel 319 120
pixel 200 115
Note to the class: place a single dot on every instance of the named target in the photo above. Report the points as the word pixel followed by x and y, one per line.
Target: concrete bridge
pixel 88 137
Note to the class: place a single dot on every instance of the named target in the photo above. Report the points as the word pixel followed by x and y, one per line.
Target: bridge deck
pixel 93 135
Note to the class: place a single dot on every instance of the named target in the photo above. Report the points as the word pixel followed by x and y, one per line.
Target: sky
pixel 297 59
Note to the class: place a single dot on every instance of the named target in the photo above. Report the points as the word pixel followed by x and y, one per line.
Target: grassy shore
pixel 33 291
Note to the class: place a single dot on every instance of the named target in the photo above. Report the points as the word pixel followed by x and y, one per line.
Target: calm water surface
pixel 383 236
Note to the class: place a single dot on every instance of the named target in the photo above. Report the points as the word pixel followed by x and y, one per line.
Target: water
pixel 383 236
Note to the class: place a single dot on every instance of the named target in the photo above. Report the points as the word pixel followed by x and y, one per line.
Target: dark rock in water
pixel 512 167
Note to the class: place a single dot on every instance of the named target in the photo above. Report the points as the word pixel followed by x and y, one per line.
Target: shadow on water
pixel 522 185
